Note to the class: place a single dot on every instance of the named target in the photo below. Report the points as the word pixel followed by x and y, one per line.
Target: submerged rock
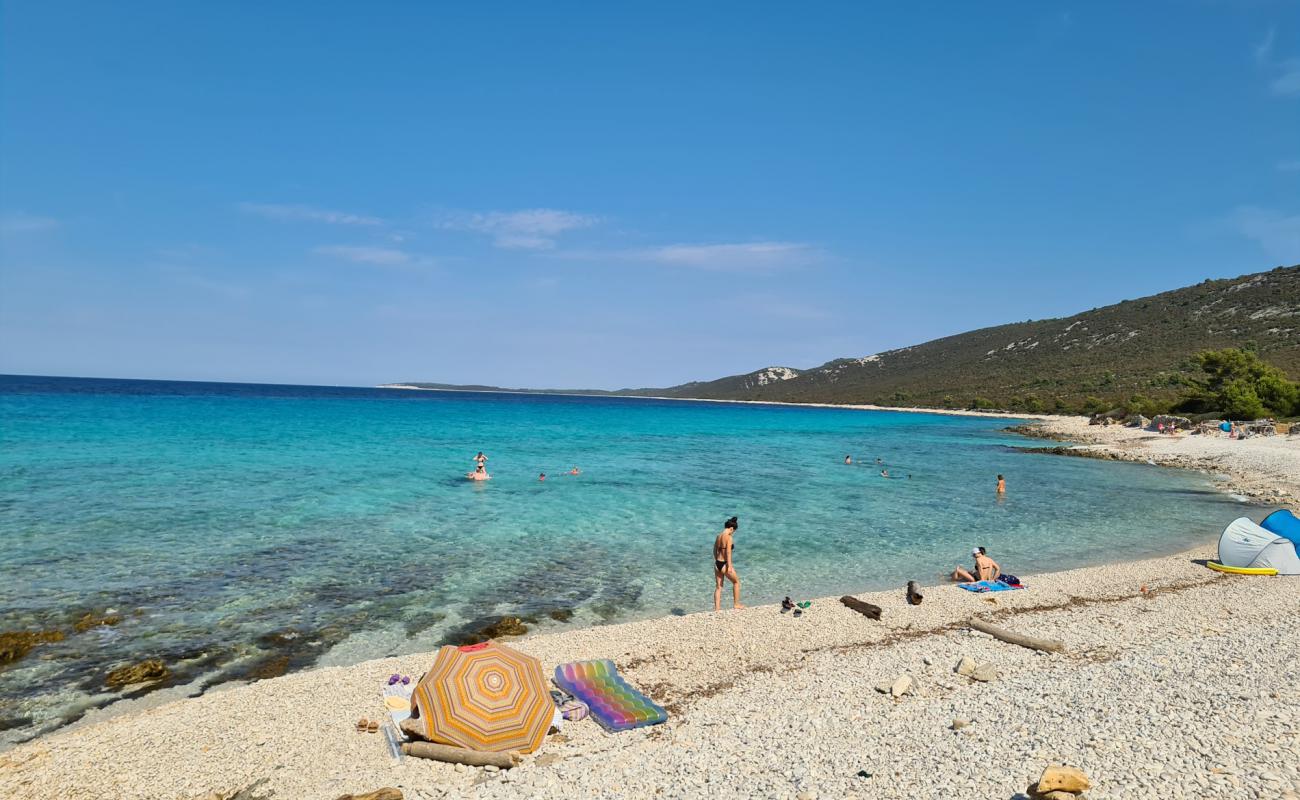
pixel 16 644
pixel 477 632
pixel 561 614
pixel 147 671
pixel 506 626
pixel 92 620
pixel 270 668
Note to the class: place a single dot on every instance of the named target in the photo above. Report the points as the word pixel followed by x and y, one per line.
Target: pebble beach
pixel 1175 682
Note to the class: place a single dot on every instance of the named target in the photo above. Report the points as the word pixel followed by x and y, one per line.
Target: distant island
pixel 1140 353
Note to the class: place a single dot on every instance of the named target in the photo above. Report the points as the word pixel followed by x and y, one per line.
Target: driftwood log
pixel 459 755
pixel 387 793
pixel 1046 645
pixel 914 596
pixel 861 606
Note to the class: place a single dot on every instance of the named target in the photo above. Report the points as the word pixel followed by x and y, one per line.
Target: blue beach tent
pixel 1247 545
pixel 1284 524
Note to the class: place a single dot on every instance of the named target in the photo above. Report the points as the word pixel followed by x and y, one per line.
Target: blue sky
pixel 609 194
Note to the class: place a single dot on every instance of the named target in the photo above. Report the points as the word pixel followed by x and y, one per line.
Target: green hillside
pixel 1102 357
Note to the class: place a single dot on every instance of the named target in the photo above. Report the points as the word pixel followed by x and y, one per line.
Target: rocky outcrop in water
pixel 1077 452
pixel 16 644
pixel 92 620
pixel 147 671
pixel 1032 431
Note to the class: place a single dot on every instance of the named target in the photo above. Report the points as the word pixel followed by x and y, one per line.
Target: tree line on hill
pixel 1235 383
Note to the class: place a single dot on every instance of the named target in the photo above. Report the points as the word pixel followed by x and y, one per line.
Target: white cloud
pixel 1289 165
pixel 529 229
pixel 1264 50
pixel 18 222
pixel 301 213
pixel 1277 233
pixel 743 257
pixel 382 256
pixel 1288 83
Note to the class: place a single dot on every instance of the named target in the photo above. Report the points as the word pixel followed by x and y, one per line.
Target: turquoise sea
pixel 244 530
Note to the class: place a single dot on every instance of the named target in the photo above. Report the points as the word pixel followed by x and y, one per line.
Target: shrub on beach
pixel 1240 385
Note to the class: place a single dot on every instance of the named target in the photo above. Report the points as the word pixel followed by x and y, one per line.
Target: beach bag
pixel 1009 580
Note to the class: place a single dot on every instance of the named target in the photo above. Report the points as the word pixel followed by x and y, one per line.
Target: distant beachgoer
pixel 479 474
pixel 880 461
pixel 723 565
pixel 480 459
pixel 1002 485
pixel 574 471
pixel 884 473
pixel 985 568
pixel 541 477
pixel 848 459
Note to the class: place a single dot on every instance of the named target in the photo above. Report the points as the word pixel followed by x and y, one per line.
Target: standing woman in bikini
pixel 724 567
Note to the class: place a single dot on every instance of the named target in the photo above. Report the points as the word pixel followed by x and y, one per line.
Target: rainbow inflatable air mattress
pixel 613 703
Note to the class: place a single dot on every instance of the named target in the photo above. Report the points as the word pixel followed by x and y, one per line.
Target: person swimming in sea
pixel 1002 485
pixel 481 460
pixel 541 477
pixel 884 473
pixel 479 474
pixel 574 471
pixel 724 568
pixel 848 459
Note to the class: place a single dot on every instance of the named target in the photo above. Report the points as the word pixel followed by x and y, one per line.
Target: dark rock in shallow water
pixel 92 620
pixel 561 614
pixel 16 644
pixel 269 668
pixel 146 671
pixel 480 630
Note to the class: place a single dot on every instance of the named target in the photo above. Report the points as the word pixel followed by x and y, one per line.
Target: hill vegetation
pixel 1143 353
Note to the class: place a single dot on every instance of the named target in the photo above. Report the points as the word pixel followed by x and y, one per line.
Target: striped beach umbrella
pixel 485 697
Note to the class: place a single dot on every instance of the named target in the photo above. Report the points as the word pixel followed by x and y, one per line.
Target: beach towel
pixel 397 702
pixel 988 586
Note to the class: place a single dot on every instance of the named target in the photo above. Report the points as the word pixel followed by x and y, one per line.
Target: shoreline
pixel 745 676
pixel 1263 469
pixel 951 412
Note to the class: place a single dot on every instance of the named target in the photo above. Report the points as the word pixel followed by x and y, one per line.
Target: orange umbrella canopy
pixel 485 697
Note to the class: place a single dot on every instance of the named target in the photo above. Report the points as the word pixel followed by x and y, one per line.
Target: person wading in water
pixel 724 567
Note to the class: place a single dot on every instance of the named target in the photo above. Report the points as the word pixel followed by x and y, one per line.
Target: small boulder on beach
pixel 966 666
pixel 1059 783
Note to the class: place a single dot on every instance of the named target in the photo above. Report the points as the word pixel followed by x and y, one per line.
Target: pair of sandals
pixel 367 725
pixel 798 608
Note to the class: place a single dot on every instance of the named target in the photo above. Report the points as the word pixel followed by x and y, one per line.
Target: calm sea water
pixel 241 530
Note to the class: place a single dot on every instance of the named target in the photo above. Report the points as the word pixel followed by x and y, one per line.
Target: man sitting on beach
pixel 986 568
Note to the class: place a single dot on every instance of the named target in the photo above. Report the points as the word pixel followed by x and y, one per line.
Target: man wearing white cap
pixel 986 568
